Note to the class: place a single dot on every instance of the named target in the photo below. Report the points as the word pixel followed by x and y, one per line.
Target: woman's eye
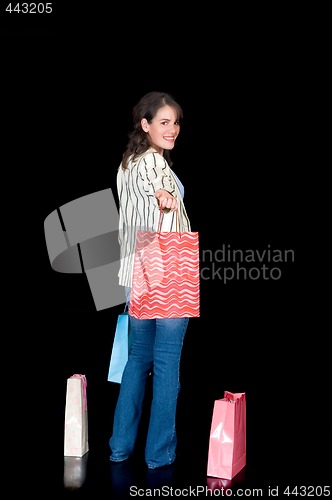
pixel 175 123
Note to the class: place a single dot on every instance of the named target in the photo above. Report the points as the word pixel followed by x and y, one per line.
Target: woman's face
pixel 163 130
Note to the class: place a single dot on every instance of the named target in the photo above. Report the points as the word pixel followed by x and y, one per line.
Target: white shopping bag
pixel 76 442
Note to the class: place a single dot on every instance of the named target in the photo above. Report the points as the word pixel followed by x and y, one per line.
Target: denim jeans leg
pixel 162 440
pixel 132 389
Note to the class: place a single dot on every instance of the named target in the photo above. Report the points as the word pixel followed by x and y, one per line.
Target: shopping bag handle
pixel 161 215
pixel 233 397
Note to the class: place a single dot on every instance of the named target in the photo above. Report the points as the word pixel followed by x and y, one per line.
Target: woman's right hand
pixel 166 200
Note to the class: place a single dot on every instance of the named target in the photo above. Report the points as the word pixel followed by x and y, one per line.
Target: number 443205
pixel 30 8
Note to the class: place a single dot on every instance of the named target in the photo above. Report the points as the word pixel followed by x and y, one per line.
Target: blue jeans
pixel 156 347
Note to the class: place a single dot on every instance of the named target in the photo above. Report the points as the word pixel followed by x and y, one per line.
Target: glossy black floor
pixel 280 453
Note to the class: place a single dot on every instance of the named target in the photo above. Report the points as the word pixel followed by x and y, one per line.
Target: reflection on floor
pixel 88 477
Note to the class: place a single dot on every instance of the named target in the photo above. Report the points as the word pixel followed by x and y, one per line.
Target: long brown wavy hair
pixel 147 107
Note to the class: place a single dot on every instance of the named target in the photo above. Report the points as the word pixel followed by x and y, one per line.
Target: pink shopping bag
pixel 227 443
pixel 166 277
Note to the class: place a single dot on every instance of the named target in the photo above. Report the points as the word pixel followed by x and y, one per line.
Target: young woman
pixel 146 184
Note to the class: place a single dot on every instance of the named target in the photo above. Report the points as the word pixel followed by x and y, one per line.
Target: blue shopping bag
pixel 120 349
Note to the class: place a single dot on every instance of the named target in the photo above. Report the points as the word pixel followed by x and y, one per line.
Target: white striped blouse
pixel 138 207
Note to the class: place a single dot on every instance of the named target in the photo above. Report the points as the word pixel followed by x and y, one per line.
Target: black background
pixel 70 85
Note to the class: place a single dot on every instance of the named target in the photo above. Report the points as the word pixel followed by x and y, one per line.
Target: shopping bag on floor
pixel 166 276
pixel 76 417
pixel 227 443
pixel 120 349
